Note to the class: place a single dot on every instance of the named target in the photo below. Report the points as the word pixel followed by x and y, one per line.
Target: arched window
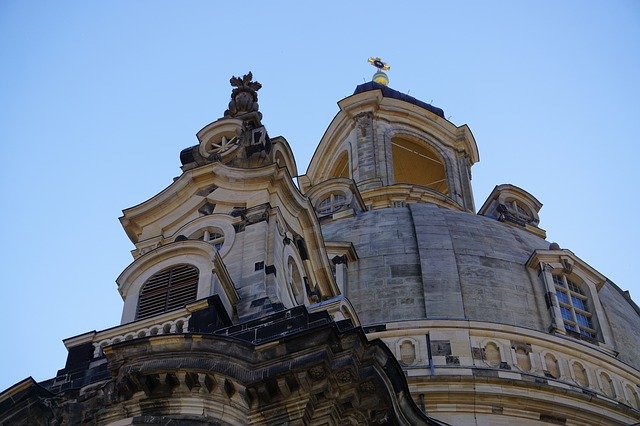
pixel 169 289
pixel 341 169
pixel 417 163
pixel 211 235
pixel 331 203
pixel 574 306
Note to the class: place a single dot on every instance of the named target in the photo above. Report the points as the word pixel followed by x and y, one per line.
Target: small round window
pixel 332 203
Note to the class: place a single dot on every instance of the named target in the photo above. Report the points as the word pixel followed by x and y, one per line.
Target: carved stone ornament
pixel 567 265
pixel 317 373
pixel 508 214
pixel 244 98
pixel 220 140
pixel 368 387
pixel 344 376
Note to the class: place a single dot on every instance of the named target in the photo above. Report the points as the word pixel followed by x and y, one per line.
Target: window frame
pixel 333 206
pixel 571 290
pixel 546 263
pixel 212 235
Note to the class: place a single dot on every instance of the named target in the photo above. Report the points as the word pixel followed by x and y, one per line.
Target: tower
pixel 232 313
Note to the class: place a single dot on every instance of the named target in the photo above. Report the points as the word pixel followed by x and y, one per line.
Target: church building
pixel 368 290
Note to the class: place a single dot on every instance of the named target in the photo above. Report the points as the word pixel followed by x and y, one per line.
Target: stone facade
pixel 368 293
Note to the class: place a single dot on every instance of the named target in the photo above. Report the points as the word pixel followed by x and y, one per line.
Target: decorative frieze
pixel 512 354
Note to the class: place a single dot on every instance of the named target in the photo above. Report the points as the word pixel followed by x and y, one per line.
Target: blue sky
pixel 98 98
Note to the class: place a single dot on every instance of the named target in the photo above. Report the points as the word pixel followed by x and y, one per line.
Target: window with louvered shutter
pixel 169 289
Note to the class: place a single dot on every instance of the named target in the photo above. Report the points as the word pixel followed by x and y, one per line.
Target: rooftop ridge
pixel 388 92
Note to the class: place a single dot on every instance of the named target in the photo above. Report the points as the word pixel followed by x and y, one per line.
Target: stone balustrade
pixel 175 322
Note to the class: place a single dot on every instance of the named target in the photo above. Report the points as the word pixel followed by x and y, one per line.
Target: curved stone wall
pixel 501 374
pixel 425 262
pixel 431 262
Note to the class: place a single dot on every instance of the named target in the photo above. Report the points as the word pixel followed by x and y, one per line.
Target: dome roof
pixel 424 262
pixel 388 92
pixel 440 263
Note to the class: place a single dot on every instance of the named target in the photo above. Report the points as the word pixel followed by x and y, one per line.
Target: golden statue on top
pixel 380 76
pixel 378 63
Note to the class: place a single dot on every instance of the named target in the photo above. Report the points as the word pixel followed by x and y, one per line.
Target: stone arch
pixel 221 222
pixel 417 162
pixel 283 156
pixel 193 252
pixel 342 167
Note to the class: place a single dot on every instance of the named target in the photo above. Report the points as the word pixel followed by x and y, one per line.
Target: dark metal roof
pixel 388 92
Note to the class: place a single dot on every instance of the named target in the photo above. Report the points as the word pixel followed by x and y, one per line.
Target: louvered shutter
pixel 168 289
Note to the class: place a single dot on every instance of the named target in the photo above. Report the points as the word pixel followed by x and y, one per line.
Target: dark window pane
pixel 562 297
pixel 578 303
pixel 557 279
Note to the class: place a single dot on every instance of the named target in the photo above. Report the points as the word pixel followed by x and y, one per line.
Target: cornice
pixel 554 256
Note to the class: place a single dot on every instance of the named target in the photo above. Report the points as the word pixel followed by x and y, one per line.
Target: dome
pixel 482 299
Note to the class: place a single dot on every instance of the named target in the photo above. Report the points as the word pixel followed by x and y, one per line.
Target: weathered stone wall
pixel 622 317
pixel 422 261
pixel 490 258
pixel 436 263
pixel 386 282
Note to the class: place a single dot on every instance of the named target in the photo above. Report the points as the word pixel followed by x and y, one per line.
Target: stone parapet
pixel 450 361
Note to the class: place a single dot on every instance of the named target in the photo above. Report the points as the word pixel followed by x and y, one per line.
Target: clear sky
pixel 98 98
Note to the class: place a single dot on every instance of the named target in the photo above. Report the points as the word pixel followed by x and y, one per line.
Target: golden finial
pixel 380 77
pixel 377 62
